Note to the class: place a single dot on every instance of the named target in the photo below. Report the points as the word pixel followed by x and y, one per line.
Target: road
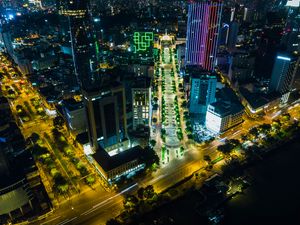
pixel 97 206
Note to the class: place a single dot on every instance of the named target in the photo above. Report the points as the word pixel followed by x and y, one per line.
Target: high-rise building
pixel 233 34
pixel 83 41
pixel 283 74
pixel 104 104
pixel 106 116
pixel 141 103
pixel 291 34
pixel 225 113
pixel 204 19
pixel 6 39
pixel 75 115
pixel 203 90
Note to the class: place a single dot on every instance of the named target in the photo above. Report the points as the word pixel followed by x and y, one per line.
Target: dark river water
pixel 274 197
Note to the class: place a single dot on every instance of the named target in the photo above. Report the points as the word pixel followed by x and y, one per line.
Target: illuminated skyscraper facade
pixel 283 75
pixel 203 91
pixel 83 41
pixel 105 104
pixel 204 19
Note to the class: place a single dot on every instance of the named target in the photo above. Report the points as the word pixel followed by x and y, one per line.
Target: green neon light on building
pixel 142 41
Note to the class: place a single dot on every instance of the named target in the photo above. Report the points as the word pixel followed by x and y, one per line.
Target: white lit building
pixel 222 116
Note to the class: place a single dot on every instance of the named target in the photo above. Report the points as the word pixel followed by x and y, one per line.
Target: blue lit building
pixel 283 74
pixel 202 93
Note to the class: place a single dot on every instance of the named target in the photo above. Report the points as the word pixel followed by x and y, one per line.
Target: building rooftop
pixel 142 82
pixel 111 162
pixel 225 108
pixel 71 104
pixel 227 102
pixel 257 100
pixel 13 199
pixel 195 71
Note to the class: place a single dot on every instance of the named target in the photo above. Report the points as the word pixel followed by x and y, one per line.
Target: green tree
pixel 130 202
pixel 207 158
pixel 113 222
pixel 140 193
pixel 234 142
pixel 56 134
pixel 244 137
pixel 225 148
pixel 152 143
pixel 58 121
pixel 149 192
pixel 38 150
pixel 155 98
pixel 60 183
pixel 254 131
pixel 286 117
pixel 265 128
pixel 90 180
pixel 150 157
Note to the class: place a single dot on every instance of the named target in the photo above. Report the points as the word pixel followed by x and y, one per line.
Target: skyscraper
pixel 5 37
pixel 105 104
pixel 203 91
pixel 106 116
pixel 291 33
pixel 82 40
pixel 204 19
pixel 141 102
pixel 233 34
pixel 283 74
pixel 6 42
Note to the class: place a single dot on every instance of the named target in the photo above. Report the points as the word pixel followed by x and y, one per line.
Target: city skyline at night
pixel 142 112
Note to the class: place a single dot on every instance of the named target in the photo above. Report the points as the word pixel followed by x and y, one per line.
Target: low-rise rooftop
pixel 108 162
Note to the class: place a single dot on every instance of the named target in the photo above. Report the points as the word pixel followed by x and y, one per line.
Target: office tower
pixel 233 34
pixel 6 39
pixel 106 116
pixel 283 74
pixel 141 102
pixel 75 115
pixel 104 104
pixel 82 40
pixel 204 18
pixel 291 34
pixel 203 90
pixel 223 115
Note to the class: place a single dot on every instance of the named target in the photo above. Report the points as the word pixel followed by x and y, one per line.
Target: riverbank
pixel 274 196
pixel 271 199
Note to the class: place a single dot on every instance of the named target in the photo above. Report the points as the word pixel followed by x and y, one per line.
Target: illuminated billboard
pixel 142 41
